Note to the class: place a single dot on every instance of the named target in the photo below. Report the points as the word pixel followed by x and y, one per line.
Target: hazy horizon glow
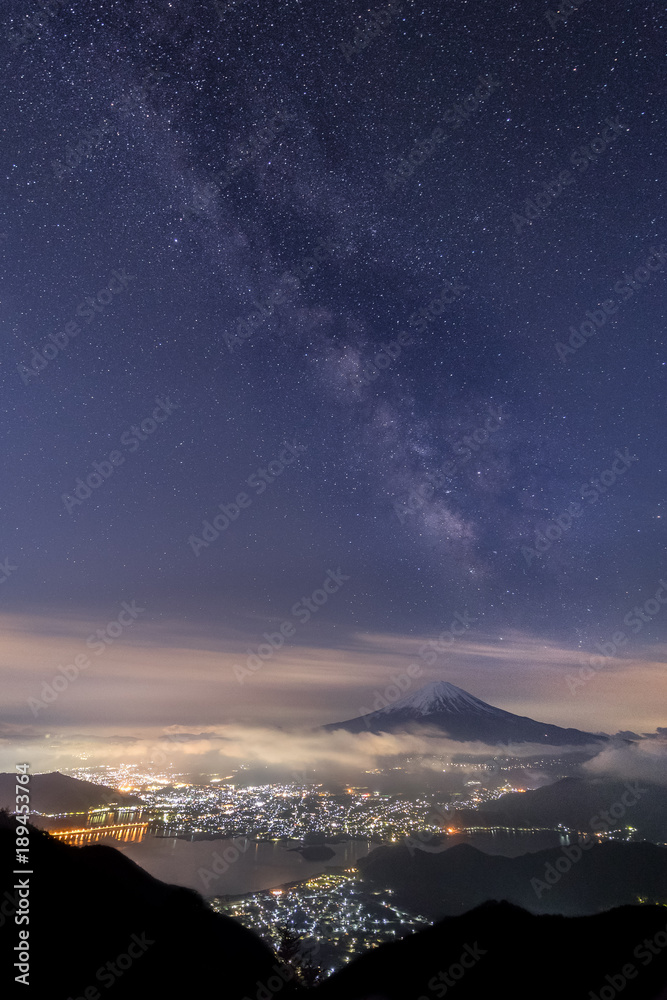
pixel 159 676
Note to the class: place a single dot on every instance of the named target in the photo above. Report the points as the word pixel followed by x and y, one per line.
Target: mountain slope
pixel 499 950
pixel 576 802
pixel 55 793
pixel 98 922
pixel 463 717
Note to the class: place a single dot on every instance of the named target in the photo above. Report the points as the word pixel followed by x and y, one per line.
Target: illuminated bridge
pixel 87 835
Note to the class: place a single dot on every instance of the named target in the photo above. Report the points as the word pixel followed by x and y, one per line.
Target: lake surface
pixel 510 845
pixel 263 865
pixel 266 865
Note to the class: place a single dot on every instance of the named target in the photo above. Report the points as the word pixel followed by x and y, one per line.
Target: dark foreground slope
pixel 100 927
pixel 100 923
pixel 499 950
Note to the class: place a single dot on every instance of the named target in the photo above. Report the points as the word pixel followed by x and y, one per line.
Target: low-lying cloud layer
pixel 223 749
pixel 644 760
pixel 175 677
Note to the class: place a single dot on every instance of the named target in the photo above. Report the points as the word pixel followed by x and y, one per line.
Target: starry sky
pixel 380 289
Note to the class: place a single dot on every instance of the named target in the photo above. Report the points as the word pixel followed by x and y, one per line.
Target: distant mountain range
pixel 577 803
pixel 464 718
pixel 461 877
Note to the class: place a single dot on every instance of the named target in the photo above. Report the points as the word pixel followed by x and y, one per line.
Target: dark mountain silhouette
pixel 98 922
pixel 499 950
pixel 461 877
pixel 91 906
pixel 577 802
pixel 57 793
pixel 461 716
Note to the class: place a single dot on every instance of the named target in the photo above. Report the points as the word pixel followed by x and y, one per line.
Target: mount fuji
pixel 463 717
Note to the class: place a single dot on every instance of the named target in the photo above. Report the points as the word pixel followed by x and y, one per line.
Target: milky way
pixel 424 246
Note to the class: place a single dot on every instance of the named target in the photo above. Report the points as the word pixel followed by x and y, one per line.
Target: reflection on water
pixel 509 844
pixel 127 824
pixel 224 867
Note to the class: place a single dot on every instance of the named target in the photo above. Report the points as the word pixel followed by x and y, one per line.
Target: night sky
pixel 213 217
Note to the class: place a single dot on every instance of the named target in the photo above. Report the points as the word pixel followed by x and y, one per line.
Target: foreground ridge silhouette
pixel 93 911
pixel 501 950
pixel 99 922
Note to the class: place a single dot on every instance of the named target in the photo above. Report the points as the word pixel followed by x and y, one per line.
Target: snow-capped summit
pixel 440 696
pixel 442 706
